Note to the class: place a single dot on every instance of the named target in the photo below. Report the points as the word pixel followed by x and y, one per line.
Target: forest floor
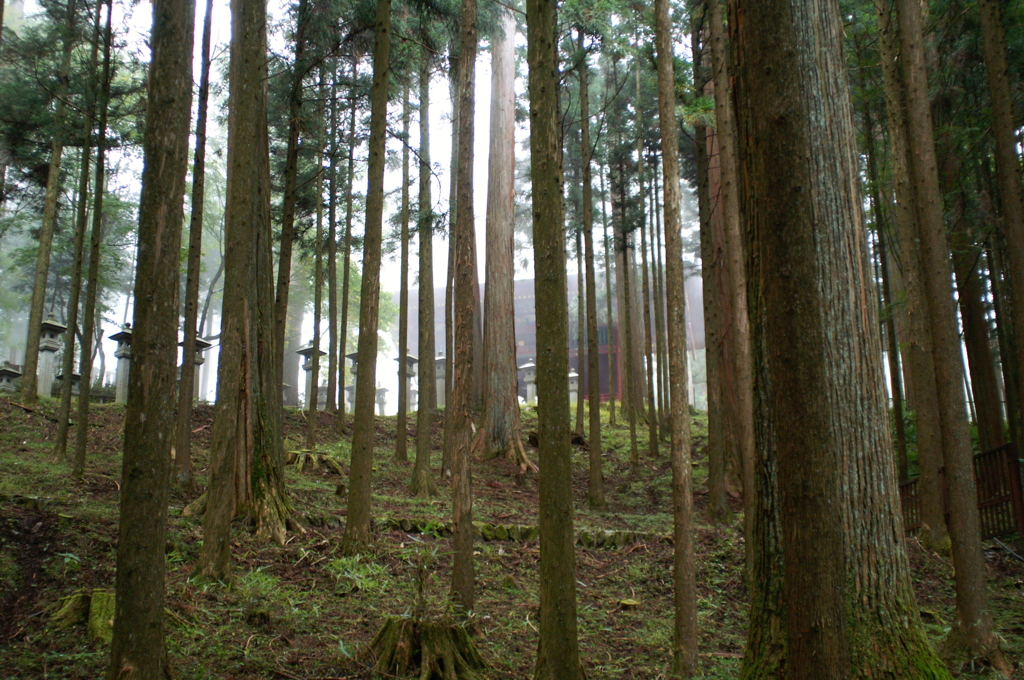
pixel 302 611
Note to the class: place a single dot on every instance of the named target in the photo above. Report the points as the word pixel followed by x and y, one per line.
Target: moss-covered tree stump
pixel 433 649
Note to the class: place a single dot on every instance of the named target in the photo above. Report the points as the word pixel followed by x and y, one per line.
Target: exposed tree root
pixel 959 648
pixel 422 484
pixel 303 457
pixel 437 649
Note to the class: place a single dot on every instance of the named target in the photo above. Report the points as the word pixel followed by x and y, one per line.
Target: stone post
pixel 574 387
pixel 381 400
pixel 439 378
pixel 48 346
pixel 529 370
pixel 124 362
pixel 407 378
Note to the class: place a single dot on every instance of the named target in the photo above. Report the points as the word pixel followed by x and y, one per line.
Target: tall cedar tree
pixel 558 652
pixel 346 258
pixel 183 439
pixel 404 385
pixel 246 475
pixel 29 384
pixel 357 532
pixel 684 639
pixel 974 625
pixel 1011 192
pixel 595 479
pixel 422 484
pixel 831 595
pixel 458 415
pixel 913 314
pixel 138 649
pixel 501 396
pixel 738 397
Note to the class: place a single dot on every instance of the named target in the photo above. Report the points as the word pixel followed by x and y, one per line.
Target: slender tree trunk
pixel 291 169
pixel 357 531
pixel 332 252
pixel 739 396
pixel 652 414
pixel 919 354
pixel 580 331
pixel 449 289
pixel 458 416
pixel 29 379
pixel 347 256
pixel 60 448
pixel 595 480
pixel 422 484
pixel 401 446
pixel 684 639
pixel 1004 128
pixel 659 310
pixel 313 407
pixel 558 650
pixel 138 649
pixel 974 625
pixel 96 240
pixel 182 450
pixel 501 392
pixel 613 336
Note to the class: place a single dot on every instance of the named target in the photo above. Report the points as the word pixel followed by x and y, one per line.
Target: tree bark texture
pixel 138 649
pixel 830 589
pixel 347 251
pixel 401 444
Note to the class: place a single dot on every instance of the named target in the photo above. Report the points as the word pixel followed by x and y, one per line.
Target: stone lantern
pixel 201 346
pixel 76 382
pixel 350 396
pixel 307 365
pixel 574 387
pixel 8 374
pixel 354 358
pixel 49 343
pixel 529 370
pixel 381 400
pixel 407 377
pixel 124 362
pixel 439 364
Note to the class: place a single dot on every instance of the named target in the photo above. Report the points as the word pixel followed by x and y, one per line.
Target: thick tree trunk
pixel 138 649
pixel 357 530
pixel 839 605
pixel 558 650
pixel 182 450
pixel 595 479
pixel 684 639
pixel 501 393
pixel 422 484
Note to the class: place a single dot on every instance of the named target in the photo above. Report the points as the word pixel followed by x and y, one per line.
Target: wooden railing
pixel 1000 496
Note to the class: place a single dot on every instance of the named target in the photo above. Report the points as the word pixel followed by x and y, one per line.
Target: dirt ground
pixel 304 611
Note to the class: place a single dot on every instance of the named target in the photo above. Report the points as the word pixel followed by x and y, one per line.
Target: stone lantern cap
pixel 9 372
pixel 530 370
pixel 124 336
pixel 51 327
pixel 201 345
pixel 381 391
pixel 75 377
pixel 307 351
pixel 410 363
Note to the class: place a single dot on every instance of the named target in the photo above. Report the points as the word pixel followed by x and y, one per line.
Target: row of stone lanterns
pixel 529 370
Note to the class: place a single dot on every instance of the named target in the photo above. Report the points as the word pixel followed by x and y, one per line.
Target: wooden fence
pixel 1000 497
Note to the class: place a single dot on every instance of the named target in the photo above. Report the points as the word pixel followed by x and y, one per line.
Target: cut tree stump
pixel 432 649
